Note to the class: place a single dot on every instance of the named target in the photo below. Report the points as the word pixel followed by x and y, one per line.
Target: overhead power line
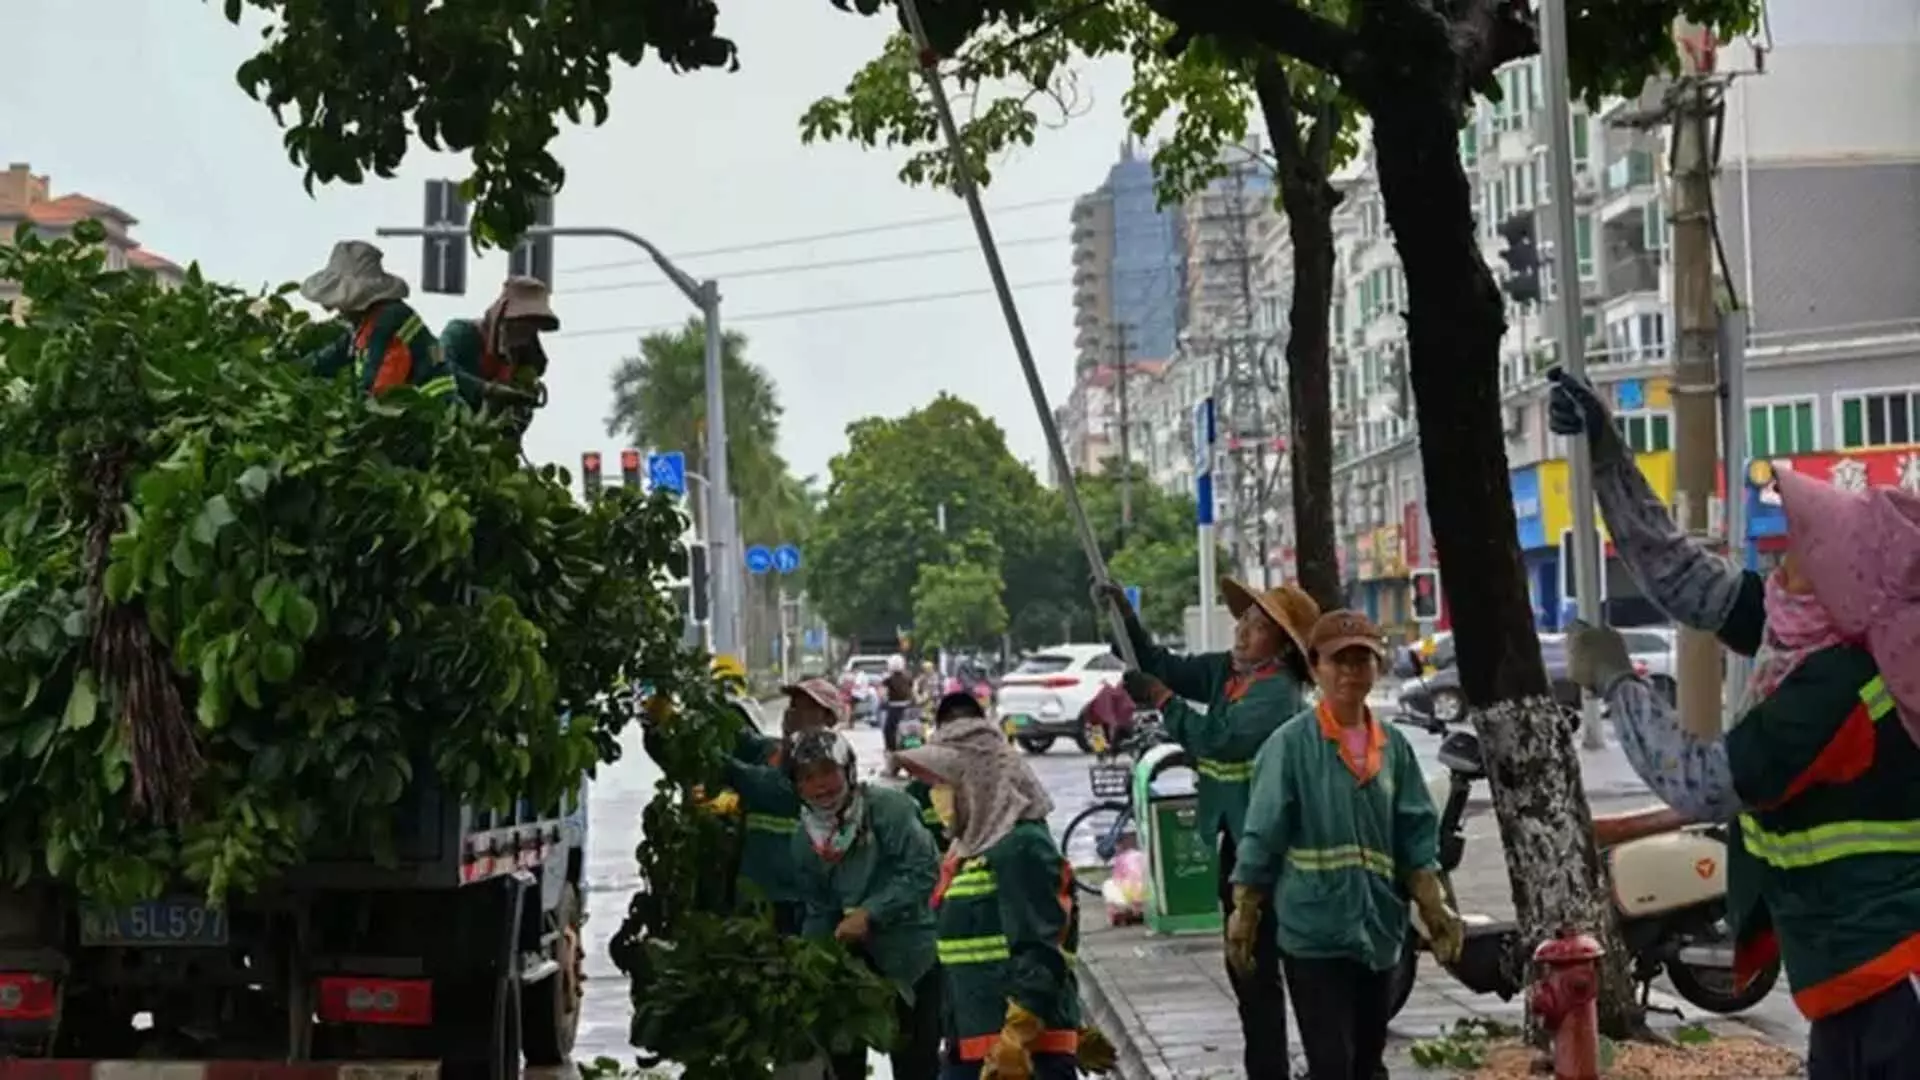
pixel 821 309
pixel 827 264
pixel 815 238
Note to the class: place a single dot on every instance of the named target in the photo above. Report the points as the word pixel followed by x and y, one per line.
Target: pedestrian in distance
pixel 1340 832
pixel 896 697
pixel 384 342
pixel 1815 771
pixel 1005 909
pixel 1249 690
pixel 867 868
pixel 498 360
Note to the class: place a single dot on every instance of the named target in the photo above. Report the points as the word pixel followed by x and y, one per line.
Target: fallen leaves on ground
pixel 1722 1059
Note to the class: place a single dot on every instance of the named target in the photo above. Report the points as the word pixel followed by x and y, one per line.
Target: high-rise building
pixel 1128 276
pixel 27 198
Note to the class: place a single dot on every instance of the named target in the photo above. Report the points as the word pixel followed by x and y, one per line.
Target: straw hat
pixel 1290 608
pixel 353 280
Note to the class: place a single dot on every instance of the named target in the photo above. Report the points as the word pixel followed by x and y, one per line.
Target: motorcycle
pixel 1669 894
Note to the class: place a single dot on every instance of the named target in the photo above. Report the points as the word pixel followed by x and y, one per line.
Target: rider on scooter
pixel 896 698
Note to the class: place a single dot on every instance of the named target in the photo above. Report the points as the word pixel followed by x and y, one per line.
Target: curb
pixel 1131 1061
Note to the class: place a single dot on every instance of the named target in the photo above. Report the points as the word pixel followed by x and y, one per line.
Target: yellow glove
pixel 1097 1054
pixel 1009 1058
pixel 659 710
pixel 1243 927
pixel 725 804
pixel 1445 934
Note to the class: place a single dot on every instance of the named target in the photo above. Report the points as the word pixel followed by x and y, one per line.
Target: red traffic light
pixel 630 461
pixel 590 462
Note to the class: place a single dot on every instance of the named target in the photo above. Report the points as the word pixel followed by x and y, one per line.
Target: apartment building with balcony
pixel 28 198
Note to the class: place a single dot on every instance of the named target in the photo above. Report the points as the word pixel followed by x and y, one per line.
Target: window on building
pixel 1581 136
pixel 1470 145
pixel 1891 418
pixel 1653 337
pixel 1500 203
pixel 1646 432
pixel 1583 245
pixel 1654 226
pixel 1779 428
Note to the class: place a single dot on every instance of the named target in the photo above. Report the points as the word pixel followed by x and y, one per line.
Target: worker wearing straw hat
pixel 1250 690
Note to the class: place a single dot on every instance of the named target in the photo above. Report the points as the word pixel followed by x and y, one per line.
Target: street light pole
pixel 705 295
pixel 1566 271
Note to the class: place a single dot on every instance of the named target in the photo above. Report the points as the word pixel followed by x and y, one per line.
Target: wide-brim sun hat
pixel 820 692
pixel 354 279
pixel 1288 606
pixel 528 298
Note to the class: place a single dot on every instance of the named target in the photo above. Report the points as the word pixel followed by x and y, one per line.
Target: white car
pixel 1041 700
pixel 1652 649
pixel 860 685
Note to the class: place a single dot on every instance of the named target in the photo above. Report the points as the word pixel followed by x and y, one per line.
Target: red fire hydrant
pixel 1564 998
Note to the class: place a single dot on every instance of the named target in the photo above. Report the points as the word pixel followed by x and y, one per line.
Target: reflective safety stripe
pixel 1344 857
pixel 1229 772
pixel 930 816
pixel 972 883
pixel 1802 848
pixel 409 329
pixel 974 950
pixel 439 386
pixel 772 823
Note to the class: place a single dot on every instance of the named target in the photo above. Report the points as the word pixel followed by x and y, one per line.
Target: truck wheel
pixel 550 1008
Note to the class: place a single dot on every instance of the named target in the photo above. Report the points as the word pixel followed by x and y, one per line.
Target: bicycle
pixel 1112 785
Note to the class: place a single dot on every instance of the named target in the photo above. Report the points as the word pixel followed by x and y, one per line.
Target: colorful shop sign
pixel 1854 470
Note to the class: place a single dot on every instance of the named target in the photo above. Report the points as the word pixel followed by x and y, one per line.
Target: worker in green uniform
pixel 384 343
pixel 1339 832
pixel 1249 692
pixel 1008 918
pixel 497 359
pixel 866 869
pixel 1814 772
pixel 769 806
pixel 951 708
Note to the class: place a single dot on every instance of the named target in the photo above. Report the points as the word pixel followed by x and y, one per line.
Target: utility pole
pixel 1126 435
pixel 1696 376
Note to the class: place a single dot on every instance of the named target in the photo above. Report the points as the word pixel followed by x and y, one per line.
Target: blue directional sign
pixel 1204 436
pixel 668 470
pixel 814 638
pixel 1133 597
pixel 786 558
pixel 759 559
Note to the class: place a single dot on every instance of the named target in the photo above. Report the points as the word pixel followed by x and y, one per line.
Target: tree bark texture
pixel 1455 321
pixel 1309 199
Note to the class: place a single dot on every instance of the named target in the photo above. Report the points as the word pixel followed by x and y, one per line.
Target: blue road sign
pixel 786 558
pixel 1203 498
pixel 1133 597
pixel 759 559
pixel 668 470
pixel 814 638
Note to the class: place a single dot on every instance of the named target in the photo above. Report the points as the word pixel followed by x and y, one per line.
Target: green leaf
pixel 215 514
pixel 83 702
pixel 301 615
pixel 277 662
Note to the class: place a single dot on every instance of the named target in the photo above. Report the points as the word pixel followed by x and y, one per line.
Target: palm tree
pixel 660 402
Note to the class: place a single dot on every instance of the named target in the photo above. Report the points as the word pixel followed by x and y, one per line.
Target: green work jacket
pixel 1224 737
pixel 889 873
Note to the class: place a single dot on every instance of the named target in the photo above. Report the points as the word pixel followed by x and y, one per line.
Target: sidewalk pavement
pixel 1167 1005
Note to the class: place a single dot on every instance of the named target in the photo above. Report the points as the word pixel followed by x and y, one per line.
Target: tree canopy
pixel 660 402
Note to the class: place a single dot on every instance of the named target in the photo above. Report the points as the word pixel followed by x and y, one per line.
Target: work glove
pixel 725 804
pixel 854 928
pixel 1104 592
pixel 1596 656
pixel 1445 934
pixel 1243 927
pixel 1010 1059
pixel 1144 689
pixel 1574 407
pixel 1097 1053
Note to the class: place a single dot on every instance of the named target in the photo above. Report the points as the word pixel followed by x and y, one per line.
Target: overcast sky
pixel 134 102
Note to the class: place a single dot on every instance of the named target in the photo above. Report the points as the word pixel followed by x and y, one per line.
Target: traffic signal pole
pixel 1696 377
pixel 1586 551
pixel 723 547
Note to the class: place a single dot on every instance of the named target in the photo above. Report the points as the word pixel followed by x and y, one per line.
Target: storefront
pixel 1537 552
pixel 1550 488
pixel 1857 469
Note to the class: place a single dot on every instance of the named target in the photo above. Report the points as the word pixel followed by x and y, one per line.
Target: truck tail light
pixel 27 996
pixel 353 999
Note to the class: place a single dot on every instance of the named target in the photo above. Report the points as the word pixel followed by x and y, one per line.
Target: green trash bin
pixel 1182 875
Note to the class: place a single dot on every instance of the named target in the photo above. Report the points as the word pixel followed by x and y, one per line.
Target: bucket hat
pixel 527 298
pixel 353 280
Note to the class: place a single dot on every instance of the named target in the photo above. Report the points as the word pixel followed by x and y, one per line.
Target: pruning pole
pixel 963 180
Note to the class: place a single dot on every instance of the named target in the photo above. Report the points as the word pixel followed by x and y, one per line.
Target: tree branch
pixel 1275 95
pixel 1490 33
pixel 1279 25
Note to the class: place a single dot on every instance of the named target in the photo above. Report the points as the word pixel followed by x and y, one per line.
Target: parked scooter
pixel 1669 892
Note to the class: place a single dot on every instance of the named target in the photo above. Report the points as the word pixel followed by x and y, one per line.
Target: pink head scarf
pixel 1861 551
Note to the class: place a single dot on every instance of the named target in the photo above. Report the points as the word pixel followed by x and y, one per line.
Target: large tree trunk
pixel 1454 325
pixel 1309 198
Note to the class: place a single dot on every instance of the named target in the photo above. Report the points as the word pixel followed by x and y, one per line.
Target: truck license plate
pixel 184 923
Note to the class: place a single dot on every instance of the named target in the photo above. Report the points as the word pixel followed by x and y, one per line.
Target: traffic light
pixel 591 483
pixel 1426 595
pixel 630 469
pixel 697 583
pixel 1522 256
